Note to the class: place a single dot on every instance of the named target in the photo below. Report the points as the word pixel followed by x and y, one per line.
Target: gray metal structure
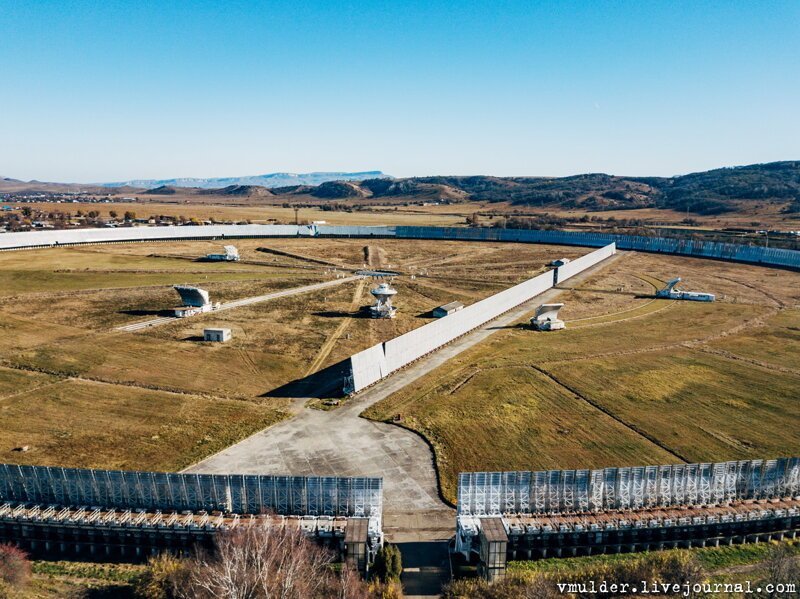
pixel 702 249
pixel 661 245
pixel 193 296
pixel 546 318
pixel 672 292
pixel 232 493
pixel 577 491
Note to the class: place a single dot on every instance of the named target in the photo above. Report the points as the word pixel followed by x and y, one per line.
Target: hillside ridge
pixel 716 191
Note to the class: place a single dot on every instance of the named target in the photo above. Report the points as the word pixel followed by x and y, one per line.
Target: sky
pixel 113 90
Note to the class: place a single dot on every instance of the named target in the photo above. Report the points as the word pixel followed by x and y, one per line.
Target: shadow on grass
pixel 112 591
pixel 341 314
pixel 604 291
pixel 147 312
pixel 519 327
pixel 324 384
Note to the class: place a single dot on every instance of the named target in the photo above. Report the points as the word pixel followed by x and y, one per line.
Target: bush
pixel 165 574
pixel 388 564
pixel 540 587
pixel 15 569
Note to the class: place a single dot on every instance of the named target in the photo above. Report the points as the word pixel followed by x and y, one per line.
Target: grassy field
pixel 711 413
pixel 630 381
pixel 409 211
pixel 66 374
pixel 57 579
pixel 513 418
pixel 88 424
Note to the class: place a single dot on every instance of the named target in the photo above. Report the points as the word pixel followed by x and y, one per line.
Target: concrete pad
pixel 327 444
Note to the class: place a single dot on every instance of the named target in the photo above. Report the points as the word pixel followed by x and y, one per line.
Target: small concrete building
pixel 217 335
pixel 447 309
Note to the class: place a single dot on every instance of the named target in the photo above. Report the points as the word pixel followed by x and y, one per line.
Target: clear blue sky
pixel 114 90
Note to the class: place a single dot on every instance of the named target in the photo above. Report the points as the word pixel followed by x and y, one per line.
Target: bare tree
pixel 781 568
pixel 255 562
pixel 15 569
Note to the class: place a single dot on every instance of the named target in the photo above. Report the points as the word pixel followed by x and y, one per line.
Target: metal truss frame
pixel 568 491
pixel 234 493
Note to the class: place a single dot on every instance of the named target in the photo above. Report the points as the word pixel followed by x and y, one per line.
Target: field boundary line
pixel 632 427
pixel 729 355
pixel 64 376
pixel 327 347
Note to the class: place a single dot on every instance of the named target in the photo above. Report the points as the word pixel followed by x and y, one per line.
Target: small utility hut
pixel 355 542
pixel 494 548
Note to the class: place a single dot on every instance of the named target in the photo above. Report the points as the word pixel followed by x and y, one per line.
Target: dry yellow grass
pixel 694 403
pixel 88 424
pixel 60 305
pixel 511 418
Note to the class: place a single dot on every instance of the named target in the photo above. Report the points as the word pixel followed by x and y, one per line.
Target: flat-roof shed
pixel 218 335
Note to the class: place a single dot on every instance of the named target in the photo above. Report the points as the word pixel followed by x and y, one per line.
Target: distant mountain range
pixel 728 189
pixel 710 192
pixel 270 180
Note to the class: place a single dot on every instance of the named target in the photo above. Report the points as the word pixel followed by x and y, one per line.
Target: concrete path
pixel 247 301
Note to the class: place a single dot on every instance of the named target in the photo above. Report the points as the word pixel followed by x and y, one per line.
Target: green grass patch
pixel 712 559
pixel 125 573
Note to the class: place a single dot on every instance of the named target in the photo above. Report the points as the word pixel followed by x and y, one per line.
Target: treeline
pixel 548 221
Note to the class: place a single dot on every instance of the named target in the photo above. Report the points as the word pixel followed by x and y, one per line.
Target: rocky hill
pixel 339 190
pixel 710 192
pixel 250 191
pixel 163 190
